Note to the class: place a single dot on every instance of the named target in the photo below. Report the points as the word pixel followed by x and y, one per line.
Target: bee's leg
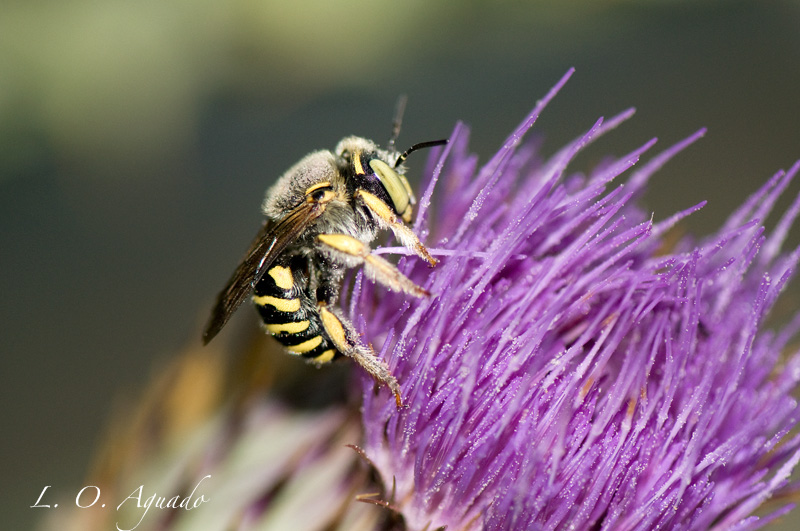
pixel 388 220
pixel 355 252
pixel 345 339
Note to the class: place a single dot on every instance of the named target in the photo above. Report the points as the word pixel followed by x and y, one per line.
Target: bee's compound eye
pixel 396 186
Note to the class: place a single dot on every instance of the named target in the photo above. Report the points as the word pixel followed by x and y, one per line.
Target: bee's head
pixel 367 167
pixel 356 163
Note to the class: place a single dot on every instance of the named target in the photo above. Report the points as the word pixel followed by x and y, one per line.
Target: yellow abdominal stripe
pixel 282 305
pixel 282 277
pixel 326 356
pixel 305 346
pixel 291 328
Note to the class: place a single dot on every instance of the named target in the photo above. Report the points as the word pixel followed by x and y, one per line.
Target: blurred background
pixel 137 139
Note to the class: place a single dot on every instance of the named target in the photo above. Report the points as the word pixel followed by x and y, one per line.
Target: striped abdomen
pixel 291 316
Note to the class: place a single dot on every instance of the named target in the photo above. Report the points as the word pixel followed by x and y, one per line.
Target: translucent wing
pixel 268 244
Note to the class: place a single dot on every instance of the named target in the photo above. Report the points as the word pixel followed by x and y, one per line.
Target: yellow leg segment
pixel 340 331
pixel 376 267
pixel 387 219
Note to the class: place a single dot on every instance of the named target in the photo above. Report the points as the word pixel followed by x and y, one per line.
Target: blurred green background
pixel 137 139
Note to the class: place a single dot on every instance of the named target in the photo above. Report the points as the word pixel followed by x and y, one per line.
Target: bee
pixel 321 217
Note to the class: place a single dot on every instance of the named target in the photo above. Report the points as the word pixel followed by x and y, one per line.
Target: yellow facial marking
pixel 333 326
pixel 326 356
pixel 282 305
pixel 282 277
pixel 357 163
pixel 305 346
pixel 344 243
pixel 291 328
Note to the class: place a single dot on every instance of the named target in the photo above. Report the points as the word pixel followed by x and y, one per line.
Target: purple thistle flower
pixel 570 371
pixel 567 372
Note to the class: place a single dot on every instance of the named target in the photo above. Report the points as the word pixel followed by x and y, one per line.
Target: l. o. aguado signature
pixel 89 496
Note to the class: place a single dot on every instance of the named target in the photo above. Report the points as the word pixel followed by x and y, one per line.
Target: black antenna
pixel 403 156
pixel 399 110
